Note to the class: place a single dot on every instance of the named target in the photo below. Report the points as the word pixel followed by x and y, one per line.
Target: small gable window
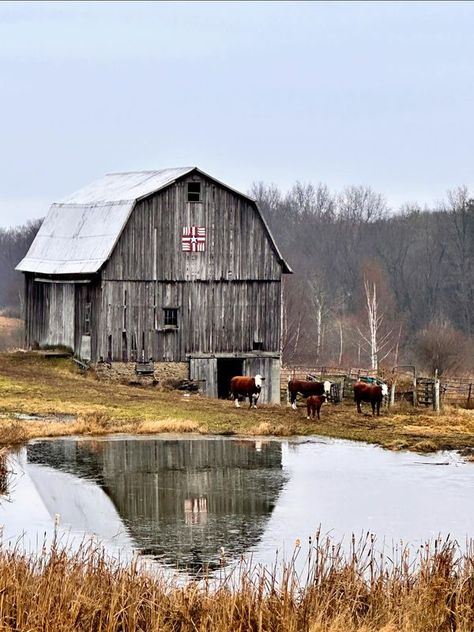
pixel 171 317
pixel 194 191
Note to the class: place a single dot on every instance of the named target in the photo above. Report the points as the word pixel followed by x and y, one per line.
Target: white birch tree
pixel 375 342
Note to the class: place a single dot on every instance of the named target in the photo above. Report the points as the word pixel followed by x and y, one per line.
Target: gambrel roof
pixel 80 231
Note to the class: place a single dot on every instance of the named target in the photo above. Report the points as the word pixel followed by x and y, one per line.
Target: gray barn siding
pixel 54 313
pixel 87 293
pixel 35 311
pixel 204 371
pixel 228 296
pixel 54 304
pixel 237 248
pixel 213 317
pixel 270 369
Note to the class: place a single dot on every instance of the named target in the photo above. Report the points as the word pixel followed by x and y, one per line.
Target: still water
pixel 178 501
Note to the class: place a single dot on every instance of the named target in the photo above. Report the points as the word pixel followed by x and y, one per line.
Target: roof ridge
pixel 124 173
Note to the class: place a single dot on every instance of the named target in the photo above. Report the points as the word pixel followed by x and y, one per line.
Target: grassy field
pixel 363 592
pixel 34 385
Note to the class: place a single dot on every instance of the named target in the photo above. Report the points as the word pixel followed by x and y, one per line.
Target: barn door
pixel 204 370
pixel 227 368
pixel 61 315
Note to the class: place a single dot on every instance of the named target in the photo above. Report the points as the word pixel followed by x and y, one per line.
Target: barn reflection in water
pixel 181 500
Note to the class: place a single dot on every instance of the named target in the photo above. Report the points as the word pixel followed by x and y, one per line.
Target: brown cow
pixel 307 388
pixel 313 405
pixel 371 393
pixel 242 386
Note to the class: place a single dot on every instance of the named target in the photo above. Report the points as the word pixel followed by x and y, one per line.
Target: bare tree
pixel 375 342
pixel 441 347
pixel 318 303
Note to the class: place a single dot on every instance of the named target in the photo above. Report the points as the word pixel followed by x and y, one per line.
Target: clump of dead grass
pixel 168 425
pixel 13 432
pixel 95 420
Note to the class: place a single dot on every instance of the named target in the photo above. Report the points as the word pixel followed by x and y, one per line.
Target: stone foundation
pixel 124 372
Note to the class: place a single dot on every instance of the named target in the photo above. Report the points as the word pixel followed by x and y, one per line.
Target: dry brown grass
pixel 50 387
pixel 360 592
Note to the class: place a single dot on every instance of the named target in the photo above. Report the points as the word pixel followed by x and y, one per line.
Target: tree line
pixel 14 244
pixel 370 287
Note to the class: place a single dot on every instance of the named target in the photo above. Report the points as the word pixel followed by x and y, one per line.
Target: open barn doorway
pixel 227 368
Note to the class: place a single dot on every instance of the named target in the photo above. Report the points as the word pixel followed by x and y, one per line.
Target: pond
pixel 180 500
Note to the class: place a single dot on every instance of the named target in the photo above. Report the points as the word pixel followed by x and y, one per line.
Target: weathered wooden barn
pixel 169 265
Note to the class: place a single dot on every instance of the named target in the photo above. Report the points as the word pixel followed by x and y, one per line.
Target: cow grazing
pixel 241 386
pixel 370 393
pixel 307 388
pixel 313 405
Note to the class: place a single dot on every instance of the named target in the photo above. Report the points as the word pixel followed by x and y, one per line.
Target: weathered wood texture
pixel 269 368
pixel 238 246
pixel 212 317
pixel 204 371
pixel 55 313
pixel 56 324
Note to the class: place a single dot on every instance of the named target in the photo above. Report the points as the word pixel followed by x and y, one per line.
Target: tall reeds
pixel 359 591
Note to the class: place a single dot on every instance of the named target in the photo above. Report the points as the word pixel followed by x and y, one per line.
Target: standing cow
pixel 242 386
pixel 313 405
pixel 371 393
pixel 307 388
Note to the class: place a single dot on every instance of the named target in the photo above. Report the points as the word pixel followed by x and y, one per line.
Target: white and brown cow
pixel 370 393
pixel 242 386
pixel 307 388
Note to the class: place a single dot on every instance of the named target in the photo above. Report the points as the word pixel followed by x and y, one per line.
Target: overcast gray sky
pixel 343 93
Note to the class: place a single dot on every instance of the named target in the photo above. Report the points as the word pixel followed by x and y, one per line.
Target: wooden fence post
pixel 415 392
pixel 469 396
pixel 392 395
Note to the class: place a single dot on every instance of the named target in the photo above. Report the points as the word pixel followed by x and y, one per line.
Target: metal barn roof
pixel 81 230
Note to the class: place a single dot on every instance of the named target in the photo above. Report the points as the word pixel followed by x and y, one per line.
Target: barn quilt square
pixel 193 239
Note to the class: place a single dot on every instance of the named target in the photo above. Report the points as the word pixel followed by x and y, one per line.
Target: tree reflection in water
pixel 182 500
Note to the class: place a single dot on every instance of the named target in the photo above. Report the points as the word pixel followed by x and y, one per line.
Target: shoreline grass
pixel 58 590
pixel 54 388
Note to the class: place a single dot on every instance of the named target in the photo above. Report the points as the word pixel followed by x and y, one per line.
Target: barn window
pixel 171 317
pixel 194 191
pixel 257 345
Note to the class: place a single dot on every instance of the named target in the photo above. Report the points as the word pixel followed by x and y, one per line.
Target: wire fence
pixel 409 386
